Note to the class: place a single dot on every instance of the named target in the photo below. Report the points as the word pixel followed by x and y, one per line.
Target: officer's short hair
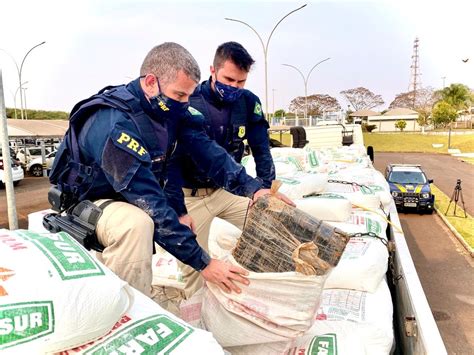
pixel 234 52
pixel 167 59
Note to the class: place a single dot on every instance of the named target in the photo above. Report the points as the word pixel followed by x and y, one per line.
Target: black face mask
pixel 167 107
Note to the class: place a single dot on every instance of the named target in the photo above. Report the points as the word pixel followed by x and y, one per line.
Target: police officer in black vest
pixel 115 153
pixel 233 114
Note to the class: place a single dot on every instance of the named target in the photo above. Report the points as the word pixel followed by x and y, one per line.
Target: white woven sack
pixel 363 336
pixel 296 186
pixel 326 207
pixel 248 163
pixel 359 196
pixel 340 340
pixel 222 237
pixel 369 177
pixel 149 329
pixel 35 221
pixel 373 222
pixel 190 309
pixel 334 343
pixel 53 294
pixel 165 268
pixel 273 307
pixel 363 308
pixel 288 161
pixel 362 266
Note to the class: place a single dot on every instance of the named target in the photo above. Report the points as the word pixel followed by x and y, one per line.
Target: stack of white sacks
pixel 55 297
pixel 355 313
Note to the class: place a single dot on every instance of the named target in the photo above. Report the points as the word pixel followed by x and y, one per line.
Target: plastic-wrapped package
pixel 281 238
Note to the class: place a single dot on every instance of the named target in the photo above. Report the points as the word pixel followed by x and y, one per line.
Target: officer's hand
pixel 278 195
pixel 225 275
pixel 187 220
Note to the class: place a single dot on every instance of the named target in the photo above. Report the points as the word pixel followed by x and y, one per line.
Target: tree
pixel 40 115
pixel 362 99
pixel 443 114
pixel 317 104
pixel 279 113
pixel 422 101
pixel 424 98
pixel 457 96
pixel 401 124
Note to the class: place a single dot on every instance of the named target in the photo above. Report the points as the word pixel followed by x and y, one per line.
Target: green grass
pixel 464 226
pixel 417 143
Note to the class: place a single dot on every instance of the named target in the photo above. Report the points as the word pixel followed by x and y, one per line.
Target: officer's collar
pixel 135 87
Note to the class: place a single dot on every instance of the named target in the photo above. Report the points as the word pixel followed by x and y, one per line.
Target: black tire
pixel 429 211
pixel 370 153
pixel 36 170
pixel 15 183
pixel 295 134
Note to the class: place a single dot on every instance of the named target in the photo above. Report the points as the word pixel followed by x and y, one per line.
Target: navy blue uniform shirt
pixel 182 172
pixel 110 139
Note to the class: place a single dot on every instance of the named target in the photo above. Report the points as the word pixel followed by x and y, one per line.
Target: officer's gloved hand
pixel 278 195
pixel 188 221
pixel 225 275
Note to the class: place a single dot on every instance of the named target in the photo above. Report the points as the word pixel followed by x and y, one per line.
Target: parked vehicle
pixel 17 171
pixel 410 187
pixel 35 166
pixel 31 153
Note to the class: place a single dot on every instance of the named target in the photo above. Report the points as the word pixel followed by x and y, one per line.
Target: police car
pixel 409 187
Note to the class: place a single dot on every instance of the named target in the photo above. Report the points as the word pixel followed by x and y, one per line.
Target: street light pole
pixel 265 48
pixel 26 107
pixel 273 92
pixel 305 81
pixel 19 70
pixel 16 92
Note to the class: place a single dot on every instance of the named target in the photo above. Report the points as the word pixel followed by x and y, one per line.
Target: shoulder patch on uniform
pixel 193 111
pixel 258 109
pixel 127 142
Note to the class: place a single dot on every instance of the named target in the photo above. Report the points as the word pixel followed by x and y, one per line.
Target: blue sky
pixel 92 44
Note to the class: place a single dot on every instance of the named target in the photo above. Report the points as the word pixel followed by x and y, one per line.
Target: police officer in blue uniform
pixel 233 114
pixel 115 154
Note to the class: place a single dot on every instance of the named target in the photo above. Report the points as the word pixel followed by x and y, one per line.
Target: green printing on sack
pixel 157 334
pixel 296 163
pixel 24 322
pixel 331 196
pixel 70 259
pixel 366 190
pixel 373 226
pixel 323 344
pixel 313 160
pixel 376 188
pixel 289 181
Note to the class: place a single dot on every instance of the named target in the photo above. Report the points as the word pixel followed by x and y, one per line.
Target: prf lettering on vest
pixel 132 144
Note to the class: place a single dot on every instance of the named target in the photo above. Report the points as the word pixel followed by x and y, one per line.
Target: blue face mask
pixel 227 93
pixel 167 107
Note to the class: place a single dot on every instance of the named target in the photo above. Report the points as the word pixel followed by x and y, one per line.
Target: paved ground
pixel 444 169
pixel 445 269
pixel 31 195
pixel 446 273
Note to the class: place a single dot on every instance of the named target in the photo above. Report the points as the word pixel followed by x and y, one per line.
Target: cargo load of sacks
pixel 55 296
pixel 289 255
pixel 347 321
